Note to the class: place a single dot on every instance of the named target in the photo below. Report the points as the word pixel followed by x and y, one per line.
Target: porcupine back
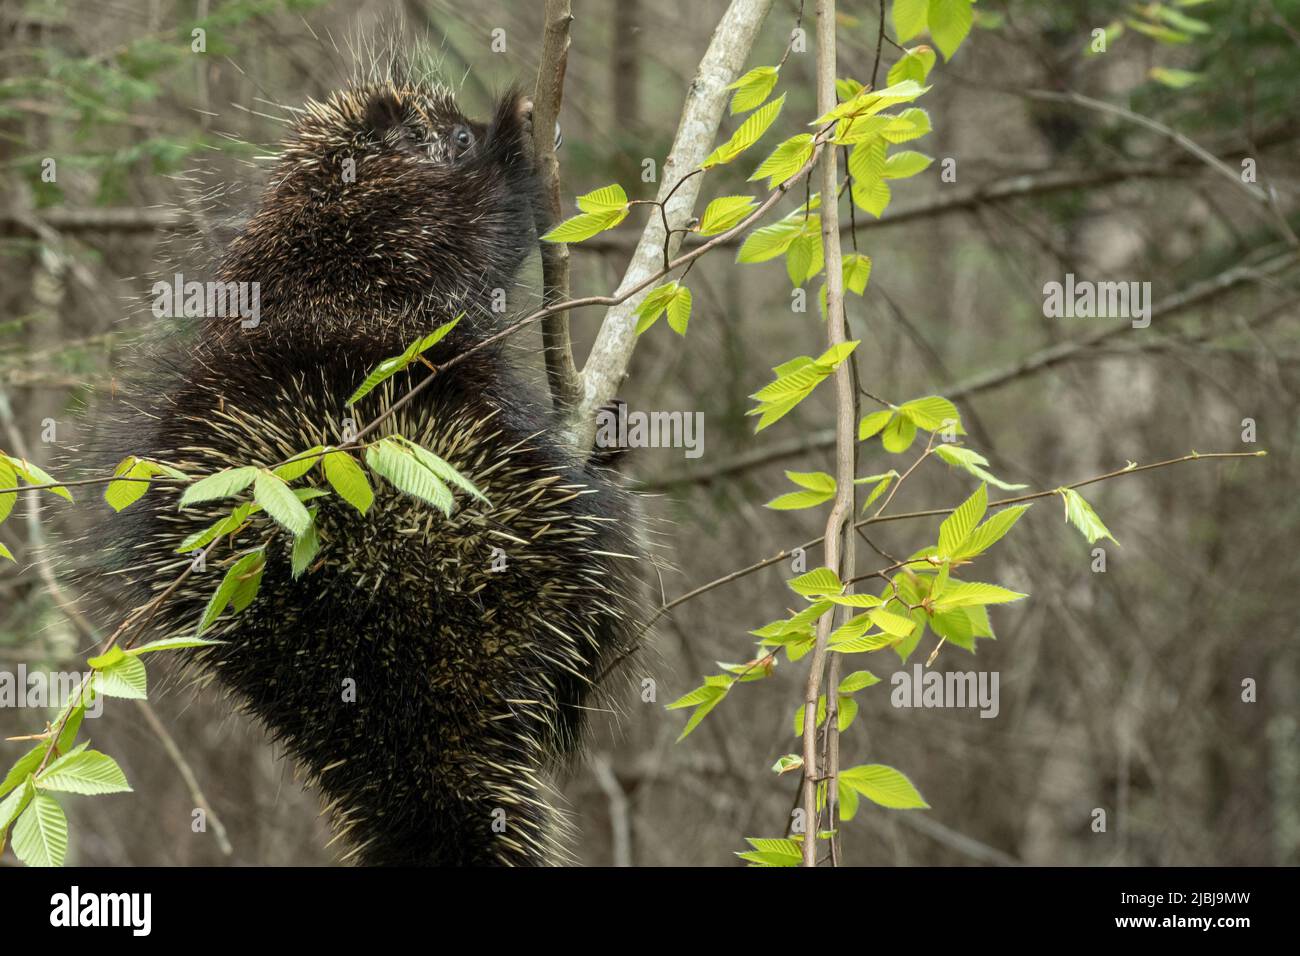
pixel 470 682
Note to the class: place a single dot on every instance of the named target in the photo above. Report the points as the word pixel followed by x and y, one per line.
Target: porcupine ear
pixel 383 112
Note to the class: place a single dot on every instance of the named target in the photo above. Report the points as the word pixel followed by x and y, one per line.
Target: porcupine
pixel 471 681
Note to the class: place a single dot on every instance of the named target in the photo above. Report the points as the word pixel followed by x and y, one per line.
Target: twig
pixel 561 373
pixel 838 545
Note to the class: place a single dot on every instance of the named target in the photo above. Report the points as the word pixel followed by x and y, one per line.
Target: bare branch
pixel 839 544
pixel 561 373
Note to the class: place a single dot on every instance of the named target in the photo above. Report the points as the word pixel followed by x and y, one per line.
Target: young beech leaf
pixel 972 461
pixel 87 772
pixel 786 160
pixel 979 540
pixel 440 468
pixel 857 681
pixel 125 678
pixel 1080 514
pixel 816 583
pixel 239 586
pixel 747 135
pixel 348 479
pixel 670 297
pixel 884 786
pixel 300 464
pixel 724 213
pixel 913 65
pixel 35 475
pixel 275 496
pixel 956 528
pixel 910 124
pixel 606 199
pixel 132 480
pixel 752 88
pixel 305 547
pixel 772 852
pixel 818 486
pixel 906 163
pixel 391 366
pixel 909 18
pixel 8 479
pixel 950 22
pixel 221 485
pixel 171 644
pixel 396 463
pixel 41 833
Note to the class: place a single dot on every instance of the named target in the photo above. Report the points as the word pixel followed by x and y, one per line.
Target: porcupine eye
pixel 461 141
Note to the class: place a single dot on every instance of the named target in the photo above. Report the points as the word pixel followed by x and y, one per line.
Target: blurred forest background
pixel 1119 690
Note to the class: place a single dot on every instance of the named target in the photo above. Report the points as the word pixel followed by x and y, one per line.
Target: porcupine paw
pixel 607 453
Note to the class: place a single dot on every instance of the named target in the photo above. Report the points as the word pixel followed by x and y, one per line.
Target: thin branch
pixel 561 373
pixel 839 545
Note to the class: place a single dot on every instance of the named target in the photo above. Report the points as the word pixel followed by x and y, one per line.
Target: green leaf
pixel 1177 79
pixel 241 580
pixel 769 241
pixel 5 552
pixel 857 681
pixel 884 786
pixel 910 17
pixel 611 198
pixel 725 213
pixel 24 768
pixel 983 537
pixel 11 806
pixel 799 714
pixel 126 678
pixel 873 423
pixel 1080 514
pixel 585 225
pixel 856 272
pixel 274 495
pixel 971 461
pixel 846 708
pixel 805 258
pixel 956 528
pixel 221 485
pixel 439 467
pixel 933 413
pixel 300 464
pixel 670 297
pixel 786 160
pixel 898 434
pixel 711 699
pixel 820 488
pixel 132 482
pixel 816 583
pixel 747 135
pixel 950 22
pixel 171 644
pixel 35 475
pixel 891 623
pixel 305 548
pixel 218 529
pixel 8 479
pixel 882 481
pixel 86 772
pixel 906 163
pixel 908 125
pixel 914 65
pixel 753 88
pixel 391 366
pixel 967 593
pixel 41 833
pixel 348 479
pixel 386 457
pixel 872 197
